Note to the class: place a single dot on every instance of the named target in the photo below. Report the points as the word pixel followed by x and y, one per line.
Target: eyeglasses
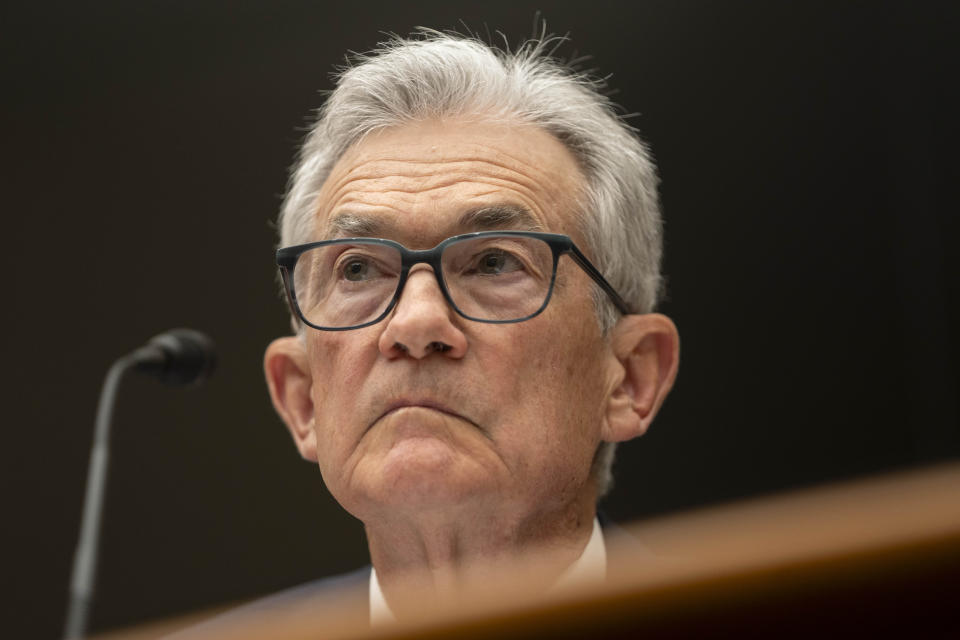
pixel 489 276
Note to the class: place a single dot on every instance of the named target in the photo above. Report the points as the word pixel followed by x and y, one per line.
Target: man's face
pixel 506 415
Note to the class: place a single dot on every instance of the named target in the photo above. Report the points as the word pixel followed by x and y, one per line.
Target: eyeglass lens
pixel 497 278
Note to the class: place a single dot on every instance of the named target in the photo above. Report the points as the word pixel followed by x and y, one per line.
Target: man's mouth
pixel 422 403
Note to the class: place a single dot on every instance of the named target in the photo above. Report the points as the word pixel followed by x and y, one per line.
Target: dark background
pixel 807 153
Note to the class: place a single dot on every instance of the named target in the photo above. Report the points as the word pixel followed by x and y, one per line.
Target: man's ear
pixel 288 377
pixel 646 354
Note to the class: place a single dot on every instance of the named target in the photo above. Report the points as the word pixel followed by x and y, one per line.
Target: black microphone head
pixel 189 357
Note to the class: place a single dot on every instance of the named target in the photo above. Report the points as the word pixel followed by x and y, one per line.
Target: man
pixel 460 388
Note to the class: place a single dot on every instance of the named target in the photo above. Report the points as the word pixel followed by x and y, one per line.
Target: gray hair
pixel 432 75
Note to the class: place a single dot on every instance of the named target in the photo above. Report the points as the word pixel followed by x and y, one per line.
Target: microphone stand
pixel 177 357
pixel 83 578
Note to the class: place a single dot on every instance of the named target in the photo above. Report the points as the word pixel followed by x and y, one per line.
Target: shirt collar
pixel 591 566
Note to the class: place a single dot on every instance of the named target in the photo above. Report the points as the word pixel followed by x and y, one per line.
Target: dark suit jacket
pixel 291 599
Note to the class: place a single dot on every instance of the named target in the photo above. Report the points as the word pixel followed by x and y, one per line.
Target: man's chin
pixel 420 461
pixel 420 472
pixel 416 446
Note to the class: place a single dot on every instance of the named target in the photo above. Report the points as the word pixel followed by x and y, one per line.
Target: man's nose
pixel 422 322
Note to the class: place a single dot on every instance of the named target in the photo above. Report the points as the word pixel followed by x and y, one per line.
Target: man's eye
pixel 496 262
pixel 356 269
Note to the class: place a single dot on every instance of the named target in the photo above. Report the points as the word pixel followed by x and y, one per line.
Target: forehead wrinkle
pixel 477 152
pixel 450 170
pixel 375 188
pixel 444 181
pixel 356 183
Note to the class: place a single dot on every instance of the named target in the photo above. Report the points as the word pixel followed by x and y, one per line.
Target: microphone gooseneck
pixel 177 357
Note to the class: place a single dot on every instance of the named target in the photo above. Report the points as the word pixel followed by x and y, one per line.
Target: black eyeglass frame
pixel 559 244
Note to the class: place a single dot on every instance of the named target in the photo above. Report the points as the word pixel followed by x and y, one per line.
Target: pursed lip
pixel 425 403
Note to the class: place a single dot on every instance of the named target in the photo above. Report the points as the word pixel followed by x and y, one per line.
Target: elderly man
pixel 470 249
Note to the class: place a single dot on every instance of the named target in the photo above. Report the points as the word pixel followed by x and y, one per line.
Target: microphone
pixel 179 357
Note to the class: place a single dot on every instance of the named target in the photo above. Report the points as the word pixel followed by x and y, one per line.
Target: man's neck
pixel 589 568
pixel 430 562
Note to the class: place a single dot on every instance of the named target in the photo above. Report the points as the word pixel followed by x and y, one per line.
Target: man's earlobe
pixel 290 382
pixel 647 352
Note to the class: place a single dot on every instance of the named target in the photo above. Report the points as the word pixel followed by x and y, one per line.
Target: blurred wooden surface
pixel 875 557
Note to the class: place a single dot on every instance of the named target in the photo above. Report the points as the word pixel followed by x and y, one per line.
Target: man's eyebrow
pixel 500 217
pixel 349 225
pixel 506 216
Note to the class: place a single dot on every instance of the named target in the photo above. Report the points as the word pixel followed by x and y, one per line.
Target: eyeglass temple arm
pixel 288 293
pixel 591 270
